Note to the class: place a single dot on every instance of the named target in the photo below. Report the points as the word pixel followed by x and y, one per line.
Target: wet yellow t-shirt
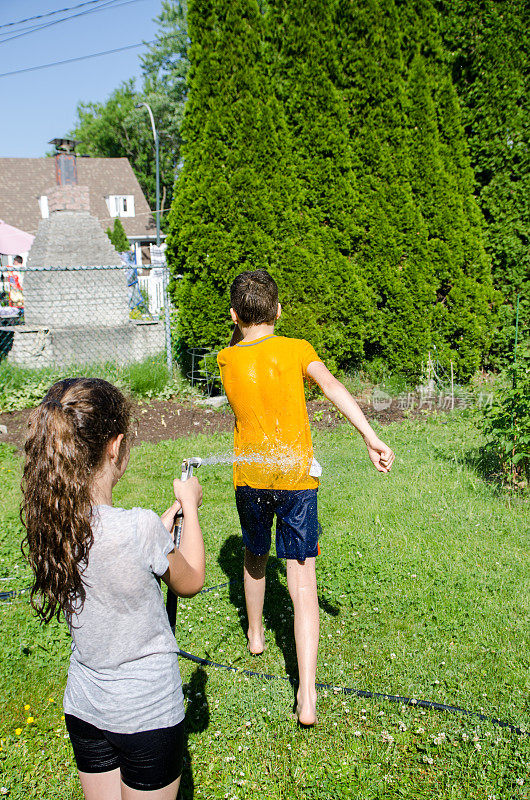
pixel 264 383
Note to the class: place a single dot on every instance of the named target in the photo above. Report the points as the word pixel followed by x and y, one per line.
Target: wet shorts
pixel 297 525
pixel 147 760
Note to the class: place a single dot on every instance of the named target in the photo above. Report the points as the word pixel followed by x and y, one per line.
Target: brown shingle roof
pixel 24 180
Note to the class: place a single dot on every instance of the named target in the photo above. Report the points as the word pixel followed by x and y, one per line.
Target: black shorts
pixel 297 527
pixel 147 760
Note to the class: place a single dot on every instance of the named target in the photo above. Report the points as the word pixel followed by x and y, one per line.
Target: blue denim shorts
pixel 297 527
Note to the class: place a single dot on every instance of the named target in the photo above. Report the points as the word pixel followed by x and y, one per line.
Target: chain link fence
pixel 437 391
pixel 82 316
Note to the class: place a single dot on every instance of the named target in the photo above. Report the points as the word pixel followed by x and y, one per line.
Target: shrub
pixel 118 237
pixel 324 142
pixel 21 387
pixel 508 423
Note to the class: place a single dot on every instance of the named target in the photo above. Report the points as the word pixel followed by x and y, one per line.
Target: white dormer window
pixel 43 205
pixel 120 205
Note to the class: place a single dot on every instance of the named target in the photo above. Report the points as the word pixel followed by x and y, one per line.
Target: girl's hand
pixel 185 576
pixel 381 456
pixel 188 493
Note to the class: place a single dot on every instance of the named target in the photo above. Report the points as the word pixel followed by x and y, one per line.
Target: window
pixel 43 205
pixel 120 205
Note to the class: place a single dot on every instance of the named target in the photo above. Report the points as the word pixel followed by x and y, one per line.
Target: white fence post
pixel 153 285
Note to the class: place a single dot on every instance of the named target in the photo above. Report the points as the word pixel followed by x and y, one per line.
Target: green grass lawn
pixel 423 583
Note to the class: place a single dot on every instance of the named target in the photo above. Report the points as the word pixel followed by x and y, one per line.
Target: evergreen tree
pixel 328 300
pixel 489 43
pixel 441 179
pixel 118 237
pixel 323 141
pixel 392 251
pixel 236 199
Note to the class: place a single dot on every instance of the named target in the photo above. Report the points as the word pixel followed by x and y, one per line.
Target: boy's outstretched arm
pixel 380 453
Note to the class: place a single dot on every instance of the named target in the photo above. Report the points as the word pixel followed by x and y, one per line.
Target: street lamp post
pixel 169 360
pixel 157 159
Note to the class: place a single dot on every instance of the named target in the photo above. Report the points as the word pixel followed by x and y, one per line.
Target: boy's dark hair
pixel 18 260
pixel 254 297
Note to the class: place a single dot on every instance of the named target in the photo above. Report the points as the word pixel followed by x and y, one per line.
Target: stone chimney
pixel 65 161
pixel 68 198
pixel 70 236
pixel 66 195
pixel 76 303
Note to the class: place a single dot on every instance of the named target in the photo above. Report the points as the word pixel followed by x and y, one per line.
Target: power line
pixel 107 4
pixel 50 13
pixel 78 58
pixel 39 26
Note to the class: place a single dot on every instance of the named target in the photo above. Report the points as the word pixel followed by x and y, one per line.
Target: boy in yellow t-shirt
pixel 275 473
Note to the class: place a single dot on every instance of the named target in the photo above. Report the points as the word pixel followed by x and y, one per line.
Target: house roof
pixel 24 180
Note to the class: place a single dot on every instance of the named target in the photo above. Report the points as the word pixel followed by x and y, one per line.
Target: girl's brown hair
pixel 67 439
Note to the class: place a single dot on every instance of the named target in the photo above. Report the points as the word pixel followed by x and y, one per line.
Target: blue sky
pixel 41 105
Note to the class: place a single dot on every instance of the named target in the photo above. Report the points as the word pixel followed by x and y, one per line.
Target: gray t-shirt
pixel 124 675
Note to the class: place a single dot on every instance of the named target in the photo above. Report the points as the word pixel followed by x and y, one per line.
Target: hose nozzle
pixel 188 465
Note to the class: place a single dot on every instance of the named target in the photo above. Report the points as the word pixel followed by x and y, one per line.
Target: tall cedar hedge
pixel 489 46
pixel 237 201
pixel 324 142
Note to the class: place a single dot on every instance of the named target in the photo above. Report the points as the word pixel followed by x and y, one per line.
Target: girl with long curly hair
pixel 99 566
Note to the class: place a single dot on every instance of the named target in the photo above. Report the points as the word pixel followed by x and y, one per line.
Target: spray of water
pixel 221 458
pixel 284 461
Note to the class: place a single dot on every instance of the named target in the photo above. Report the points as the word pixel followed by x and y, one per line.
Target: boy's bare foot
pixel 256 643
pixel 306 711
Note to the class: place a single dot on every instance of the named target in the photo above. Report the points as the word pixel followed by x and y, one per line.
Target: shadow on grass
pixel 278 608
pixel 197 720
pixel 483 461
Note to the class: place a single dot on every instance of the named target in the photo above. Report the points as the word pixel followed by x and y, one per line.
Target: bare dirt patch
pixel 160 420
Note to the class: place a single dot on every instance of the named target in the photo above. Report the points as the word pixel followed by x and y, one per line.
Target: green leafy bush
pixel 21 387
pixel 508 423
